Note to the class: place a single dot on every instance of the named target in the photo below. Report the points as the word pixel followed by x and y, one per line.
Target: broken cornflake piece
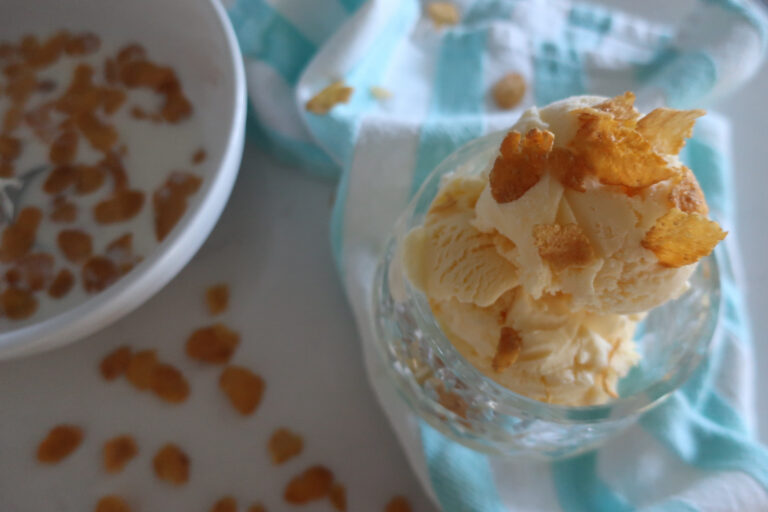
pixel 380 93
pixel 217 298
pixel 99 273
pixel 61 284
pixel 284 445
pixel 666 129
pixel 117 452
pixel 225 504
pixel 398 504
pixel 121 206
pixel 169 384
pixel 18 238
pixel 243 388
pixel 171 465
pixel 64 148
pixel 616 154
pixel 313 484
pixel 508 349
pixel 116 362
pixel 141 369
pixel 622 108
pixel 257 507
pixel 338 497
pixel 325 100
pixel 443 13
pixel 18 304
pixel 60 442
pixel 520 165
pixel 509 90
pixel 686 194
pixel 112 503
pixel 679 238
pixel 75 244
pixel 562 245
pixel 170 201
pixel 213 344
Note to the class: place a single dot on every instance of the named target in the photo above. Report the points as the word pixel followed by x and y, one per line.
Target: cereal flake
pixel 60 442
pixel 243 388
pixel 284 445
pixel 679 238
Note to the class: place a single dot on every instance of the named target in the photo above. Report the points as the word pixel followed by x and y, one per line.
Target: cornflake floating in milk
pixel 117 452
pixel 60 442
pixel 243 388
pixel 171 465
pixel 313 484
pixel 284 445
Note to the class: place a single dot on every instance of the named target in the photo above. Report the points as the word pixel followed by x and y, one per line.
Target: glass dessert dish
pixel 454 397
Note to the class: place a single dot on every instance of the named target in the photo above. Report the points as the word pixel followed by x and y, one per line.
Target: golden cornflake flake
pixel 112 503
pixel 679 238
pixel 117 452
pixel 622 108
pixel 116 363
pixel 171 465
pixel 325 100
pixel 338 497
pixel 225 504
pixel 521 164
pixel 686 194
pixel 509 90
pixel 214 344
pixel 141 369
pixel 60 442
pixel 284 445
pixel 666 129
pixel 217 298
pixel 243 388
pixel 169 384
pixel 313 484
pixel 508 349
pixel 443 13
pixel 562 245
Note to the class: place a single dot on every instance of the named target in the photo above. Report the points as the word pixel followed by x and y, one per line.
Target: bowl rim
pixel 168 257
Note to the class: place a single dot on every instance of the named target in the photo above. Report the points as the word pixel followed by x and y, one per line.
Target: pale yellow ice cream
pixel 539 279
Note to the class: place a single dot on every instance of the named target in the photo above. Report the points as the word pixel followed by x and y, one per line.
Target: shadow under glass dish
pixel 454 397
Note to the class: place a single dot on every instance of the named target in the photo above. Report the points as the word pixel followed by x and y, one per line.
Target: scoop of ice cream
pixel 563 358
pixel 605 222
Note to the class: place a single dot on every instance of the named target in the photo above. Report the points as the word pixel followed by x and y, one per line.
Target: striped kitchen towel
pixel 693 453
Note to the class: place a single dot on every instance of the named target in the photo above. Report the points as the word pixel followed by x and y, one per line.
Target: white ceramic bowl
pixel 195 37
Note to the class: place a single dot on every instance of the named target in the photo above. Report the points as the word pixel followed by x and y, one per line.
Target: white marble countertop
pixel 271 246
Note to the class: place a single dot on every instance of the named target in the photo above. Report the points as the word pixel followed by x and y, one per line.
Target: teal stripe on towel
pixel 454 116
pixel 579 489
pixel 461 478
pixel 264 34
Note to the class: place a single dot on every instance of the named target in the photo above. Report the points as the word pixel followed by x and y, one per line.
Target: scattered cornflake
pixel 622 108
pixel 520 165
pixel 169 384
pixel 443 13
pixel 82 44
pixel 666 128
pixel 398 504
pixel 686 194
pixel 569 169
pixel 141 369
pixel 75 244
pixel 257 507
pixel 199 156
pixel 63 148
pixel 121 206
pixel 562 245
pixel 59 179
pixel 10 147
pixel 338 497
pixel 61 284
pixel 60 442
pixel 117 452
pixel 325 100
pixel 243 388
pixel 120 251
pixel 171 465
pixel 284 445
pixel 679 238
pixel 212 344
pixel 116 362
pixel 380 93
pixel 509 90
pixel 615 153
pixel 112 503
pixel 102 136
pixel 63 210
pixel 36 270
pixel 18 304
pixel 217 298
pixel 18 238
pixel 508 349
pixel 170 201
pixel 129 52
pixel 99 273
pixel 313 484
pixel 225 504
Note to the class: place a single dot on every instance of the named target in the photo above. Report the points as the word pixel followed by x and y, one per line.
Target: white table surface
pixel 271 246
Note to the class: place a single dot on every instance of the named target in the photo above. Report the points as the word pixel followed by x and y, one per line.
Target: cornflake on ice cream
pixel 539 268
